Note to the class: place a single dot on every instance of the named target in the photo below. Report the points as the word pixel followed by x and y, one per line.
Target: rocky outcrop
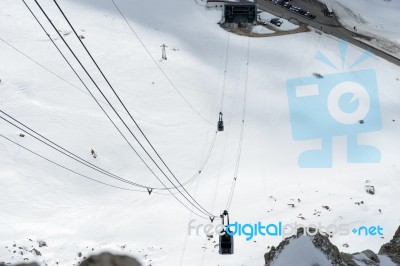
pixel 392 249
pixel 322 247
pixel 320 242
pixel 103 259
pixel 29 264
pixel 107 259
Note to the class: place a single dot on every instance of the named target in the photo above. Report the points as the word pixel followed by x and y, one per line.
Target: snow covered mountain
pixel 320 251
pixel 377 19
pixel 176 102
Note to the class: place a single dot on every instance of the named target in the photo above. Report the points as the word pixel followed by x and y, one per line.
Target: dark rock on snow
pixel 370 189
pixel 107 259
pixel 104 259
pixel 42 243
pixel 392 249
pixel 28 264
pixel 332 253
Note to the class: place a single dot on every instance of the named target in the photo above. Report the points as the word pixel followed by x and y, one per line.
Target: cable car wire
pixel 71 155
pixel 100 90
pixel 73 171
pixel 226 69
pixel 42 66
pixel 66 168
pixel 145 137
pixel 87 177
pixel 70 65
pixel 172 84
pixel 200 208
pixel 97 101
pixel 232 190
pixel 83 83
pixel 158 66
pixel 76 157
pixel 78 77
pixel 78 88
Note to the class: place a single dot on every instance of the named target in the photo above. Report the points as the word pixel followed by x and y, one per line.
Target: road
pixel 328 25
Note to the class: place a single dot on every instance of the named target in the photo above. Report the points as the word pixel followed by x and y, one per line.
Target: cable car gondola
pixel 225 240
pixel 220 122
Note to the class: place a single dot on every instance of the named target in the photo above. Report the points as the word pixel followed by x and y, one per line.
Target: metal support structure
pixel 164 52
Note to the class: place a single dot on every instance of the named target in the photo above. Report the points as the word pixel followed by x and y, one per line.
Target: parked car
pixel 276 22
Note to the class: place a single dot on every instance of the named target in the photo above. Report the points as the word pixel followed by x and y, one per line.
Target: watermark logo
pixel 280 229
pixel 339 104
pixel 368 231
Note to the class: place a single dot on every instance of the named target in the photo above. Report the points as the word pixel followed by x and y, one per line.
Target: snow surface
pixel 378 17
pixel 301 251
pixel 285 26
pixel 361 260
pixel 261 30
pixel 375 18
pixel 386 261
pixel 40 201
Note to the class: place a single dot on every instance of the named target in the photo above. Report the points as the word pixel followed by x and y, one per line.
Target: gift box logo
pixel 339 104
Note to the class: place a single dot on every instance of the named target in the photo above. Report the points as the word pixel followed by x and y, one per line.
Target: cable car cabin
pixel 225 240
pixel 225 244
pixel 220 123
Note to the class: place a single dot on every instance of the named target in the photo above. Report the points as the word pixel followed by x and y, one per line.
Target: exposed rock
pixel 107 259
pixel 36 252
pixel 359 203
pixel 392 249
pixel 322 244
pixel 24 264
pixel 371 255
pixel 370 189
pixel 42 243
pixel 326 208
pixel 331 251
pixel 367 257
pixel 318 75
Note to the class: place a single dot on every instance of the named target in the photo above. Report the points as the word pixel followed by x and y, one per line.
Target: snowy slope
pixel 304 250
pixel 286 25
pixel 378 19
pixel 40 201
pixel 294 254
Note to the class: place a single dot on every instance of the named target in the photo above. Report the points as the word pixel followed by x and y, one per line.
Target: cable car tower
pixel 225 240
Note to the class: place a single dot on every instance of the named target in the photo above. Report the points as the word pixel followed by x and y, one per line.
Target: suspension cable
pixel 78 158
pixel 241 131
pixel 50 21
pixel 87 177
pixel 158 66
pixel 84 84
pixel 225 70
pixel 174 86
pixel 71 155
pixel 145 137
pixel 68 169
